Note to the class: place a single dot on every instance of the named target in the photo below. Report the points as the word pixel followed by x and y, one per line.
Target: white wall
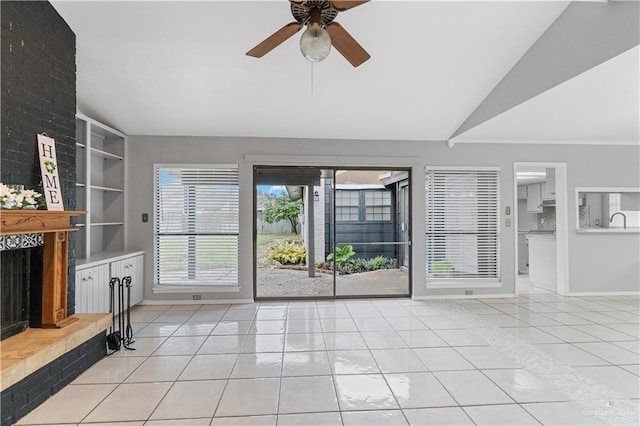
pixel 590 256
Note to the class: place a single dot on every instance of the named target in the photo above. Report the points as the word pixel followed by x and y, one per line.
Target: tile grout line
pixel 593 396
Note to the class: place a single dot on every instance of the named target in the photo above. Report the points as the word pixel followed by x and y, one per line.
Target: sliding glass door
pixel 368 233
pixel 326 232
pixel 291 222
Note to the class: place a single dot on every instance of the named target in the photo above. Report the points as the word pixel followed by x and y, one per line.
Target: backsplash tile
pixel 547 219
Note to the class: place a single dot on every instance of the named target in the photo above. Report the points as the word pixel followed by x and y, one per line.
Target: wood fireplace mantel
pixel 55 225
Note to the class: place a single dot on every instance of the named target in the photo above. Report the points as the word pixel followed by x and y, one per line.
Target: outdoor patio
pixel 284 283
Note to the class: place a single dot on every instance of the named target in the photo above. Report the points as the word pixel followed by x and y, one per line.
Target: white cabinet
pixel 534 198
pixel 549 186
pixel 542 261
pixel 100 186
pixel 522 192
pixel 92 281
pixel 133 267
pixel 92 289
pixel 523 253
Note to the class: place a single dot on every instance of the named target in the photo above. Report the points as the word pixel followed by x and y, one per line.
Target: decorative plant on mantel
pixel 16 197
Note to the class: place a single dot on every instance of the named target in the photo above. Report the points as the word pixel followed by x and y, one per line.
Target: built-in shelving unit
pixel 100 152
pixel 100 190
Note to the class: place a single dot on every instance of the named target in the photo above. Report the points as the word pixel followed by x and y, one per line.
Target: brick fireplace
pixel 38 95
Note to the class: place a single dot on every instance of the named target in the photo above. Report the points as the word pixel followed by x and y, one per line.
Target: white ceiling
pixel 595 106
pixel 179 68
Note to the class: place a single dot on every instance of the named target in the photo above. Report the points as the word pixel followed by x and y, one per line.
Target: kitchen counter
pixel 543 236
pixel 608 231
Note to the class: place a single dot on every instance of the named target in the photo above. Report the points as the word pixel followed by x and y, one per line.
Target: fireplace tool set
pixel 123 335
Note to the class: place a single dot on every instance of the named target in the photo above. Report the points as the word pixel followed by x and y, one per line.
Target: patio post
pixel 310 233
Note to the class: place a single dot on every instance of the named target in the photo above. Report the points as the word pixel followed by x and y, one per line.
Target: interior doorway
pixel 541 222
pixel 323 232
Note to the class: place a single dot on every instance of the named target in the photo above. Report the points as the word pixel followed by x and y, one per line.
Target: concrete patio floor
pixel 286 283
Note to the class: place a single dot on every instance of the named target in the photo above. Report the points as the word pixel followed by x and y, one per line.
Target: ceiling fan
pixel 321 33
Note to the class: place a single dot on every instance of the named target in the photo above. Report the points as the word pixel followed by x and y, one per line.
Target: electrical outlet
pixel 197 297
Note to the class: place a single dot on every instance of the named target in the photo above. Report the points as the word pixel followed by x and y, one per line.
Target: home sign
pixel 49 170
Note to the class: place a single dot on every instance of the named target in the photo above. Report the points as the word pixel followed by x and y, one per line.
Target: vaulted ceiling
pixel 179 68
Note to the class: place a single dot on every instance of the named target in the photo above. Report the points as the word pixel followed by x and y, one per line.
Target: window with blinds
pixel 196 225
pixel 462 224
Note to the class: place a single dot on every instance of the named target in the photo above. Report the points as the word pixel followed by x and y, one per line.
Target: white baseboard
pixel 603 293
pixel 197 302
pixel 179 289
pixel 464 296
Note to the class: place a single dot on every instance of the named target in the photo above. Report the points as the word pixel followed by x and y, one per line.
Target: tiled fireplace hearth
pixel 39 362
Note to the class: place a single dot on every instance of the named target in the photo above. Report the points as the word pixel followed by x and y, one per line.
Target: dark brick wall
pixel 21 398
pixel 38 83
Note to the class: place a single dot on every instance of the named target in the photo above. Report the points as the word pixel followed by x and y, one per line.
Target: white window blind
pixel 462 228
pixel 196 225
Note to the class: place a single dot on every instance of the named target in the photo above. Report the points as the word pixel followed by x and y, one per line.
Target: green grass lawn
pixel 264 239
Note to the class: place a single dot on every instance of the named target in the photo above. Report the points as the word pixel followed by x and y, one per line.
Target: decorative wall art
pixel 49 171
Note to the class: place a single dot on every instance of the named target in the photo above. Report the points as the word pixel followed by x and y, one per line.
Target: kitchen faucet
pixel 624 219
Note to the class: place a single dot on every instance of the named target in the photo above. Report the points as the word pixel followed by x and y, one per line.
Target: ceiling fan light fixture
pixel 315 43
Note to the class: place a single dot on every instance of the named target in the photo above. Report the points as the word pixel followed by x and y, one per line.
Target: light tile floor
pixel 537 359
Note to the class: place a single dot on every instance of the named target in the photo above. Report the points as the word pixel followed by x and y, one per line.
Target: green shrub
pixel 441 268
pixel 343 255
pixel 380 262
pixel 355 266
pixel 288 253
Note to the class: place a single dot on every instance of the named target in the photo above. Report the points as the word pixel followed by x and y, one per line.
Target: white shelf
pixel 100 188
pixel 104 154
pixel 105 189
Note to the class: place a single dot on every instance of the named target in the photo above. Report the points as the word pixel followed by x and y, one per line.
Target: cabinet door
pixel 534 198
pixel 92 290
pixel 133 267
pixel 137 279
pixel 117 269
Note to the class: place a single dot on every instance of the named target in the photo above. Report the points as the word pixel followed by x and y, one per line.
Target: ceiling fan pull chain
pixel 311 76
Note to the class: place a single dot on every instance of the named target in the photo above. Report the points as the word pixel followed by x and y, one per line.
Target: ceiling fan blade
pixel 342 5
pixel 274 40
pixel 296 1
pixel 347 45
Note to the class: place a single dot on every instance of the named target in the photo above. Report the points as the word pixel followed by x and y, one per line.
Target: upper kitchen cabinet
pixel 534 198
pixel 610 210
pixel 549 185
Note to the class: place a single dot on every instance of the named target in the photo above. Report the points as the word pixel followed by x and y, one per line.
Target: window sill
pixel 468 284
pixel 173 289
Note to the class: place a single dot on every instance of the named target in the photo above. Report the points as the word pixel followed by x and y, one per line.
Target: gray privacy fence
pixel 281 227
